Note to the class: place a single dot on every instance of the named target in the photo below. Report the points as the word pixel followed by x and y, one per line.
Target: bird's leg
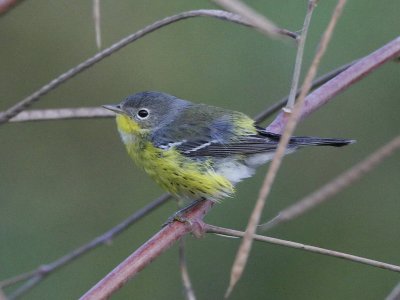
pixel 180 214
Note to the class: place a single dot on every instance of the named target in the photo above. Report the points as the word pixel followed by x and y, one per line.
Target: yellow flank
pixel 181 176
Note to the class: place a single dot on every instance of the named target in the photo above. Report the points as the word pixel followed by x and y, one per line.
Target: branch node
pixel 198 228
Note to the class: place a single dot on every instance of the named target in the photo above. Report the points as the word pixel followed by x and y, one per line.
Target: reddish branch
pixel 153 248
pixel 338 84
pixel 165 238
pixel 6 5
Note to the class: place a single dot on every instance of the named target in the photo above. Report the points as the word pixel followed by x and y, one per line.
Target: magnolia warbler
pixel 197 151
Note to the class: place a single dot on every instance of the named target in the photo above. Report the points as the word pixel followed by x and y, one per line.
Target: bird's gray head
pixel 150 110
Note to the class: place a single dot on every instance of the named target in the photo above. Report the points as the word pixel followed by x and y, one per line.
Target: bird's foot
pixel 180 215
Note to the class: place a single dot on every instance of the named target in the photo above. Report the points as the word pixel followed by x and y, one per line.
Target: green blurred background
pixel 63 183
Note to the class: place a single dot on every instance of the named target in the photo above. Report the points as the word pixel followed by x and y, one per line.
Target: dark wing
pixel 262 142
pixel 246 145
pixel 201 134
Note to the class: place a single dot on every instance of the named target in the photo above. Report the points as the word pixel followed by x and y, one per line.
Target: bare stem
pixel 187 284
pixel 62 114
pixel 395 293
pixel 256 19
pixel 97 18
pixel 290 244
pixel 299 57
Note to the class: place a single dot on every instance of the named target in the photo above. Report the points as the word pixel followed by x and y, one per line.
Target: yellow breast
pixel 181 176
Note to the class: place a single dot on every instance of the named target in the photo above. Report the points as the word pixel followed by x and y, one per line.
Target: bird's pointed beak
pixel 114 107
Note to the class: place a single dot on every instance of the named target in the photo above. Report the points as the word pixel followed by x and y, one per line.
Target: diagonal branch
pixel 150 250
pixel 316 84
pixel 338 84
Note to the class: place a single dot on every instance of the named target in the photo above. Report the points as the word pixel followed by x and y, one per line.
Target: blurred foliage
pixel 63 183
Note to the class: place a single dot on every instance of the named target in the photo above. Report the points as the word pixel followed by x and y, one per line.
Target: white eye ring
pixel 143 113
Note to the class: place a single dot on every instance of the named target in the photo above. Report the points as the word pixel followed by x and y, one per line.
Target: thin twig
pixel 97 18
pixel 332 188
pixel 62 114
pixel 308 248
pixel 187 284
pixel 28 101
pixel 395 293
pixel 299 57
pixel 16 279
pixel 245 247
pixel 41 272
pixel 256 19
pixel 27 286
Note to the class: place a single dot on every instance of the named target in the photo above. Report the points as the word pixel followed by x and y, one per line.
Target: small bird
pixel 197 151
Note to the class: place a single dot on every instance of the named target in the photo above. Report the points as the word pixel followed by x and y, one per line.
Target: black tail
pixel 316 141
pixel 308 140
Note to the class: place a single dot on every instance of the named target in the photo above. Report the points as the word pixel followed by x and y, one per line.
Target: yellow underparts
pixel 181 176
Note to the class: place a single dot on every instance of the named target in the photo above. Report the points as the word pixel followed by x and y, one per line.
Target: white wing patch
pixel 170 145
pixel 200 147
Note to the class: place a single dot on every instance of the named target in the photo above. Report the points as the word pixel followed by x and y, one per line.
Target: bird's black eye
pixel 143 113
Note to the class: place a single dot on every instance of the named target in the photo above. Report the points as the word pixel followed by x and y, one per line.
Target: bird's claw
pixel 179 217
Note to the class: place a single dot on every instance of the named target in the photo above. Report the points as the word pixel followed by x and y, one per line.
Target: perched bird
pixel 197 151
